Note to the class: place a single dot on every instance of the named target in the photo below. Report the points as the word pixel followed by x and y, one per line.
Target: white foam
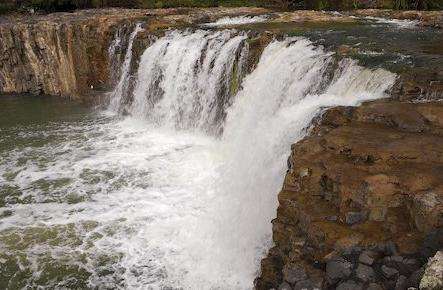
pixel 238 20
pixel 180 74
pixel 400 23
pixel 179 207
pixel 117 94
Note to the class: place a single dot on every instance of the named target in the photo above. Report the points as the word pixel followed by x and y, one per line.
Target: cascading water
pixel 180 75
pixel 181 193
pixel 123 83
pixel 113 53
pixel 178 86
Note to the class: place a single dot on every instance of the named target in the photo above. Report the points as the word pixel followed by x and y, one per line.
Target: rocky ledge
pixel 66 54
pixel 362 202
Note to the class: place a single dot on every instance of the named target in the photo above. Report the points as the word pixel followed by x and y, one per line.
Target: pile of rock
pixel 375 269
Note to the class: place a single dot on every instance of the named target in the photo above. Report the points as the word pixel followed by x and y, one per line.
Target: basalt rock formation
pixel 61 54
pixel 66 54
pixel 362 202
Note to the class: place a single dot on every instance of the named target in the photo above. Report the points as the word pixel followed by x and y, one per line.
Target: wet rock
pixel 390 248
pixel 365 273
pixel 349 285
pixel 5 213
pixel 401 283
pixel 293 273
pixel 433 275
pixel 284 286
pixel 354 217
pixel 304 285
pixel 403 265
pixel 432 243
pixel 379 191
pixel 271 271
pixel 389 273
pixel 374 286
pixel 59 54
pixel 338 269
pixel 367 257
pixel 415 278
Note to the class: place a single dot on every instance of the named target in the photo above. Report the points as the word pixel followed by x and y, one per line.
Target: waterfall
pixel 293 82
pixel 186 79
pixel 218 154
pixel 120 89
pixel 113 53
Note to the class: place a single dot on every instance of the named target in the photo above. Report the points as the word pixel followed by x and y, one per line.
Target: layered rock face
pixel 61 54
pixel 362 202
pixel 66 54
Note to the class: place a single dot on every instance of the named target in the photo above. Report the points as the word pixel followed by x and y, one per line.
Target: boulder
pixel 374 286
pixel 365 273
pixel 338 269
pixel 389 273
pixel 349 285
pixel 353 217
pixel 293 273
pixel 401 283
pixel 367 257
pixel 405 266
pixel 284 286
pixel 304 285
pixel 415 278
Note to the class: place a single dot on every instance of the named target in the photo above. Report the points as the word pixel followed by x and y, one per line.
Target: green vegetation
pixel 66 5
pixel 63 5
pixel 418 4
pixel 362 4
pixel 6 7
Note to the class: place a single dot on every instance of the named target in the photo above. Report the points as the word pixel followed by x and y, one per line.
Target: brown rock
pixel 384 160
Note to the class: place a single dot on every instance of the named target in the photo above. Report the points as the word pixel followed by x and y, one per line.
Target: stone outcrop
pixel 61 54
pixel 362 202
pixel 66 54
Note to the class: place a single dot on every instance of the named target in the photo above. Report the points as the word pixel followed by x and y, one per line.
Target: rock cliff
pixel 66 54
pixel 61 54
pixel 362 202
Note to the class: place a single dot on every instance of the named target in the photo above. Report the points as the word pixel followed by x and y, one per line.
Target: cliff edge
pixel 362 201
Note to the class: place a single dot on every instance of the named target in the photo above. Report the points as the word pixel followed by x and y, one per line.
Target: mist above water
pixel 181 192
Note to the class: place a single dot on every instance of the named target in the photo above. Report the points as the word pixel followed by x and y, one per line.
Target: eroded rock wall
pixel 66 54
pixel 60 54
pixel 362 201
